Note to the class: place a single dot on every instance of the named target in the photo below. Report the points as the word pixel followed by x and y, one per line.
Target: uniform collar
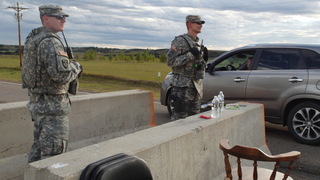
pixel 195 39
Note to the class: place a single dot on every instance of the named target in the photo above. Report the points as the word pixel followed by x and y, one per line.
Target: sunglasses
pixel 198 23
pixel 59 17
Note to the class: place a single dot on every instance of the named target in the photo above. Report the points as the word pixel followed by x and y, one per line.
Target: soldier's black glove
pixel 195 51
pixel 205 54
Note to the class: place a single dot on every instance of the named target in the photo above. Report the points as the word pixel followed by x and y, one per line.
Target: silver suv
pixel 283 77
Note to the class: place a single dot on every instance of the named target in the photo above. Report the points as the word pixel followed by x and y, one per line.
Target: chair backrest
pixel 255 154
pixel 117 167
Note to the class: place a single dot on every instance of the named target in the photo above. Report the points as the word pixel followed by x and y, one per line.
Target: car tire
pixel 170 106
pixel 304 123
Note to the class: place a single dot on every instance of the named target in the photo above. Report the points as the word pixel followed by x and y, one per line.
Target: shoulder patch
pixel 65 63
pixel 62 53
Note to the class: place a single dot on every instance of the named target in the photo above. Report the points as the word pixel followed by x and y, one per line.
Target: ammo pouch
pixel 73 87
pixel 199 70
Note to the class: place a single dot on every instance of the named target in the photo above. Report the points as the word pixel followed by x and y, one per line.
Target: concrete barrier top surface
pixel 176 135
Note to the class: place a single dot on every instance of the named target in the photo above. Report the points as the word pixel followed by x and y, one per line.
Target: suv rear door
pixel 279 74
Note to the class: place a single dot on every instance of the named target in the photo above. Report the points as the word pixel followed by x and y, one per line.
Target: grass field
pixel 102 76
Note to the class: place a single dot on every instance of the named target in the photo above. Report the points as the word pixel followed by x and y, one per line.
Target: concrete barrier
pixel 94 118
pixel 185 149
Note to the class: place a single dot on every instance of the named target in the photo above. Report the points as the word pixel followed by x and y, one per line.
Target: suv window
pixel 279 59
pixel 311 58
pixel 237 61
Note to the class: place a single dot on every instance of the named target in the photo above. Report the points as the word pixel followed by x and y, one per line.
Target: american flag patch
pixel 62 53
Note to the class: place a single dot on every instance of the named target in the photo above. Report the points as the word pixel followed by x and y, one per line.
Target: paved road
pixel 12 92
pixel 278 138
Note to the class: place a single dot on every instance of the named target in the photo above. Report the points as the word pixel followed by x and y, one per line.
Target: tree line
pixel 112 54
pixel 132 56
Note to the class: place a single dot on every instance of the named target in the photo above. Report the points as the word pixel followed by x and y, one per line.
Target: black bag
pixel 73 87
pixel 117 167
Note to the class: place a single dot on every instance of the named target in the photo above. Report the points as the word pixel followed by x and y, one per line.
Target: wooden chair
pixel 255 154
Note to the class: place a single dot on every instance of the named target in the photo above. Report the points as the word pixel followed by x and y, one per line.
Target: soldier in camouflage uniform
pixel 187 58
pixel 47 72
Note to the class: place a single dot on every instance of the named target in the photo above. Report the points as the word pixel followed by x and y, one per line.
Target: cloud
pixel 154 23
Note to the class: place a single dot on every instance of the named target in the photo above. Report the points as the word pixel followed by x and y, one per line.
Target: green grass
pixel 102 76
pixel 147 71
pixel 10 61
pixel 10 74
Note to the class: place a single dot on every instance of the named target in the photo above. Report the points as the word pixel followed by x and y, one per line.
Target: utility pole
pixel 18 9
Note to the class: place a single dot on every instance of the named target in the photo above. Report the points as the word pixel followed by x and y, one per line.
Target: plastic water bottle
pixel 221 97
pixel 215 108
pixel 219 104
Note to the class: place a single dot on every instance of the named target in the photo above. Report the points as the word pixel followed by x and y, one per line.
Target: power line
pixel 18 16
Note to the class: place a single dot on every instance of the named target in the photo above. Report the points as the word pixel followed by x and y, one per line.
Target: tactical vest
pixel 191 68
pixel 30 72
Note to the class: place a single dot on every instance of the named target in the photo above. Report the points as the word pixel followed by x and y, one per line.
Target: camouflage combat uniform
pixel 187 76
pixel 47 72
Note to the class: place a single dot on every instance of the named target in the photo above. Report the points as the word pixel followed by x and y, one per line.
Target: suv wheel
pixel 170 106
pixel 304 123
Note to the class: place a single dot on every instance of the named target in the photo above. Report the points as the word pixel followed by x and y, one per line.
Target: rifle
pixel 201 46
pixel 69 50
pixel 204 52
pixel 73 85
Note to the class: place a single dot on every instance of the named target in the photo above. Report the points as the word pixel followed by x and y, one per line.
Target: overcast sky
pixel 154 23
